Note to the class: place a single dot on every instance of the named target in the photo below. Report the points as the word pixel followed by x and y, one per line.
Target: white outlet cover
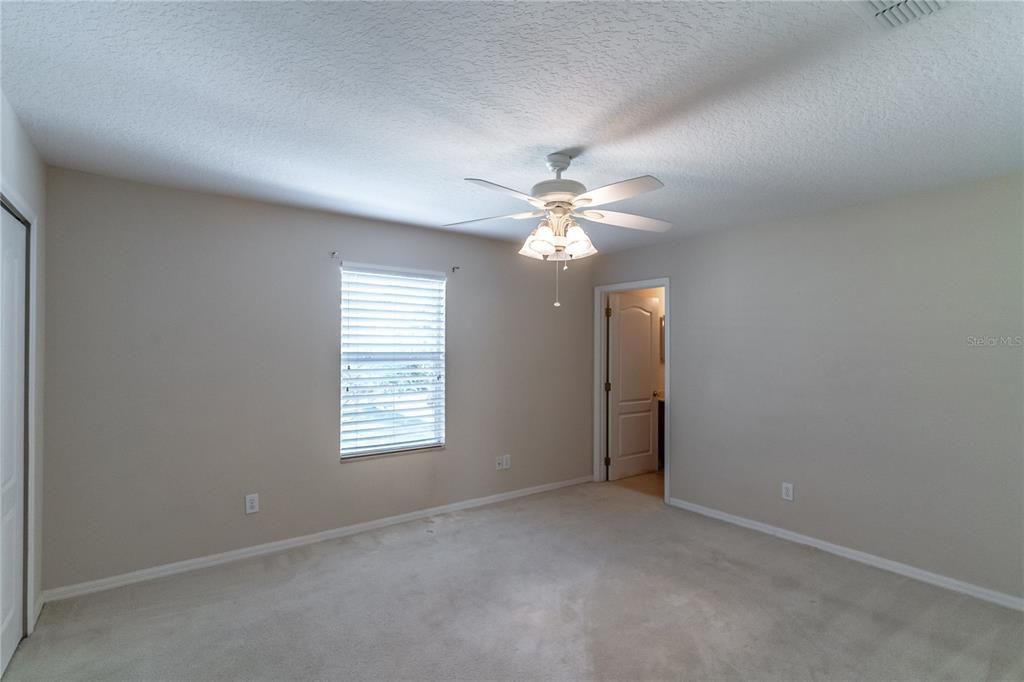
pixel 252 503
pixel 506 461
pixel 787 491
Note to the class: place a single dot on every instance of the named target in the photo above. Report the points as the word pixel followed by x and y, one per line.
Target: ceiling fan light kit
pixel 558 237
pixel 566 241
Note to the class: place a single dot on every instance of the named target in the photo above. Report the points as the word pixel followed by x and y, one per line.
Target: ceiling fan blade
pixel 500 188
pixel 513 216
pixel 633 222
pixel 618 191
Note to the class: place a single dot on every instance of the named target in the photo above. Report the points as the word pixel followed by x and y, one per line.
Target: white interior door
pixel 12 433
pixel 632 367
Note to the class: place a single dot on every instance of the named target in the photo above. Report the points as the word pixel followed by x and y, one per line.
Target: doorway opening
pixel 631 385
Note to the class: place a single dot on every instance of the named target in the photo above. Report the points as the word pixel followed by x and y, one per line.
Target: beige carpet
pixel 594 581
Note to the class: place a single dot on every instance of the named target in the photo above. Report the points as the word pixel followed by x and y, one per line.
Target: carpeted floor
pixel 593 581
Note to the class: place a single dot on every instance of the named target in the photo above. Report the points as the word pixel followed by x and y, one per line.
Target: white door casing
pixel 12 433
pixel 633 362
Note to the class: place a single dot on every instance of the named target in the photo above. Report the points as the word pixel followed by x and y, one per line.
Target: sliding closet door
pixel 12 433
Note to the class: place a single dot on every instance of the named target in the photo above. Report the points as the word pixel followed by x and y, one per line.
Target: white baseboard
pixel 993 596
pixel 164 570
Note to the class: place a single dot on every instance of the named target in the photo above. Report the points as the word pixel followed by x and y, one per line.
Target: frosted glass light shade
pixel 576 234
pixel 589 252
pixel 542 240
pixel 541 247
pixel 527 251
pixel 578 248
pixel 578 241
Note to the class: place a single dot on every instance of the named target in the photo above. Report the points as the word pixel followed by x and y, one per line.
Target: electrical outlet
pixel 787 491
pixel 252 503
pixel 506 461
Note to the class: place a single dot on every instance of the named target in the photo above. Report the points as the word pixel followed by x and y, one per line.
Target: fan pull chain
pixel 557 303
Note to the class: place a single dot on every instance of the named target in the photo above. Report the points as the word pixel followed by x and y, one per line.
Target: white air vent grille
pixel 889 14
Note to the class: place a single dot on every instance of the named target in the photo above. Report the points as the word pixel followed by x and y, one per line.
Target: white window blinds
pixel 392 360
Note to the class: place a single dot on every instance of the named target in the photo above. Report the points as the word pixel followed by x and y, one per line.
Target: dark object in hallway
pixel 661 435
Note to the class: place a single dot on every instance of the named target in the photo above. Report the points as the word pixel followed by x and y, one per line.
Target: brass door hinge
pixel 607 386
pixel 608 311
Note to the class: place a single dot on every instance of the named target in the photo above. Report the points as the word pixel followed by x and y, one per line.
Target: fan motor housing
pixel 558 190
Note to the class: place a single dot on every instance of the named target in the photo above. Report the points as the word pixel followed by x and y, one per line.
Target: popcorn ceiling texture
pixel 745 110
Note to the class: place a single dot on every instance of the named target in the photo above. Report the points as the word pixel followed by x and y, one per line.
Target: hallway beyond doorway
pixel 652 483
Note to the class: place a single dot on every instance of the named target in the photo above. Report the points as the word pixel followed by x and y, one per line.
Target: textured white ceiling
pixel 746 111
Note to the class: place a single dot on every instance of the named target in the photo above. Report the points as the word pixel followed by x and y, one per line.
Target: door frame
pixel 600 292
pixel 31 606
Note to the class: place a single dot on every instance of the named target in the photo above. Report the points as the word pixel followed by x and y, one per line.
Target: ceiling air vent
pixel 890 14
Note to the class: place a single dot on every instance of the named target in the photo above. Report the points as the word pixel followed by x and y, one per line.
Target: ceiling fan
pixel 559 202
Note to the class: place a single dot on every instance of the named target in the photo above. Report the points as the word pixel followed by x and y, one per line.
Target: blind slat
pixel 372 428
pixel 391 385
pixel 354 317
pixel 359 420
pixel 355 377
pixel 377 358
pixel 378 401
pixel 395 430
pixel 370 347
pixel 372 286
pixel 385 444
pixel 392 360
pixel 401 325
pixel 371 291
pixel 391 307
pixel 382 431
pixel 361 275
pixel 363 369
pixel 373 406
pixel 400 441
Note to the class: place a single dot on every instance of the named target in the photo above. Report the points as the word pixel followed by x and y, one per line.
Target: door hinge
pixel 608 311
pixel 607 461
pixel 607 386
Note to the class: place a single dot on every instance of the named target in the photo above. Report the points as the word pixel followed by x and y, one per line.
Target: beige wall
pixel 193 358
pixel 23 178
pixel 833 352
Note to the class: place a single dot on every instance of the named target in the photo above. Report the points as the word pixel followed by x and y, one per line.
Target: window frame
pixel 386 451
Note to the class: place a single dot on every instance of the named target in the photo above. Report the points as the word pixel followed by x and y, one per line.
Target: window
pixel 392 360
